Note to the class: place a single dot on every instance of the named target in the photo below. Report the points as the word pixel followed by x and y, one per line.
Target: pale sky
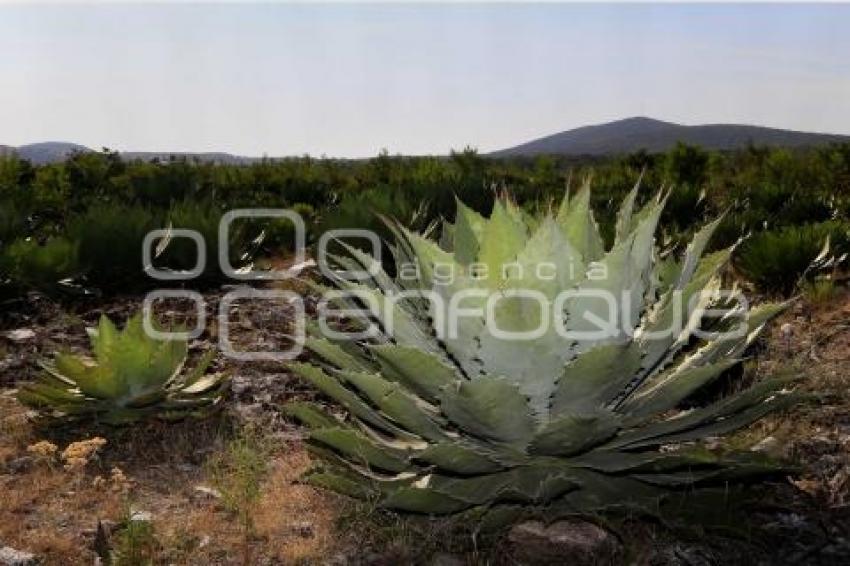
pixel 348 80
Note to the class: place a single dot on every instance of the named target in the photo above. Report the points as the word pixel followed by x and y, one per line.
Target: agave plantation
pixel 446 424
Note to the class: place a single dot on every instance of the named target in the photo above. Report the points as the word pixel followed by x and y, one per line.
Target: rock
pixel 19 335
pixel 141 516
pixel 767 445
pixel 207 493
pixel 573 541
pixel 11 557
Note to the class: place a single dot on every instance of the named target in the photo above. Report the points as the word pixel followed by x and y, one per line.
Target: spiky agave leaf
pixel 131 377
pixel 443 423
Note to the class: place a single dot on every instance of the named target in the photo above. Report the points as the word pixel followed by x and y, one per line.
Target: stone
pixel 11 557
pixel 19 335
pixel 207 493
pixel 572 541
pixel 767 445
pixel 141 516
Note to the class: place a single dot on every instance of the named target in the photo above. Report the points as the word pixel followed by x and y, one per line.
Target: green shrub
pixel 776 260
pixel 26 264
pixel 110 240
pixel 13 222
pixel 181 254
pixel 237 472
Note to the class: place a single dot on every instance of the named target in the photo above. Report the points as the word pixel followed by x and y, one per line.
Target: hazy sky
pixel 347 80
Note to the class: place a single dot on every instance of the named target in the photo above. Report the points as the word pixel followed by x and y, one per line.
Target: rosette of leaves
pixel 441 423
pixel 131 377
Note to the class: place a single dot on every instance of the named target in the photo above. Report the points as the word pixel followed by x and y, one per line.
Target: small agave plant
pixel 448 422
pixel 131 378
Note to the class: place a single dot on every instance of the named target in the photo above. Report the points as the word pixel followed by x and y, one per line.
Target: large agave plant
pixel 132 377
pixel 442 423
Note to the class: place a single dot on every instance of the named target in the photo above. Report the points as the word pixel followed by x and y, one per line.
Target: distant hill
pixel 633 134
pixel 51 152
pixel 618 137
pixel 48 152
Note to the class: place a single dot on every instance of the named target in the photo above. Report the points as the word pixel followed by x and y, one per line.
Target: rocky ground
pixel 163 506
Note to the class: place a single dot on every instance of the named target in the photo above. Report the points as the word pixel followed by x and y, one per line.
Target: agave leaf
pixel 695 250
pixel 334 354
pixel 594 378
pixel 200 369
pixel 360 448
pixel 458 458
pixel 534 365
pixel 624 222
pixel 671 390
pixel 614 462
pixel 47 395
pixel 468 233
pixel 580 229
pixel 421 372
pixel 601 492
pixel 419 500
pixel 725 424
pixel 309 415
pixel 503 239
pixel 339 484
pixel 531 484
pixel 204 385
pixel 331 387
pixel 401 407
pixel 758 395
pixel 491 408
pixel 104 338
pixel 570 434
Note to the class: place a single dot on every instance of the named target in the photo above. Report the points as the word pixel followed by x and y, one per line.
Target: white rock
pixel 11 557
pixel 20 335
pixel 207 492
pixel 768 444
pixel 141 516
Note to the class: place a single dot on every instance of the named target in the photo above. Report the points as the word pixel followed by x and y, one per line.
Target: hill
pixel 633 134
pixel 48 152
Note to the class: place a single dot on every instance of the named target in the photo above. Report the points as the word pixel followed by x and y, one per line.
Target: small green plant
pixel 779 261
pixel 136 544
pixel 132 377
pixel 821 291
pixel 26 264
pixel 237 472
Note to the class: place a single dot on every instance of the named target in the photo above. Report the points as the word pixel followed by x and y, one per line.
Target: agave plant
pixel 447 422
pixel 132 377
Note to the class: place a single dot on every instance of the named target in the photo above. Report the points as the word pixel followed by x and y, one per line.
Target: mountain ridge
pixel 610 138
pixel 633 134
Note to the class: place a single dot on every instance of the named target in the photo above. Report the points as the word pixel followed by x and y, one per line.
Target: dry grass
pixel 47 510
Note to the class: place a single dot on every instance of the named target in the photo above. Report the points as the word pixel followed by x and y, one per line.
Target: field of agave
pixel 498 421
